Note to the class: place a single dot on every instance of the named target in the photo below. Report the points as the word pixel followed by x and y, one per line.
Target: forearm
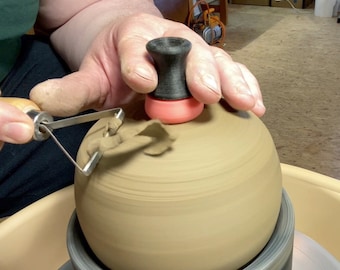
pixel 73 38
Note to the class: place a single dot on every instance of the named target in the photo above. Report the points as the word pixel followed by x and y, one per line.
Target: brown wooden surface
pixel 178 10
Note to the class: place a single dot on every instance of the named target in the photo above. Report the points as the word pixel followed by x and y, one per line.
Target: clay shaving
pixel 152 137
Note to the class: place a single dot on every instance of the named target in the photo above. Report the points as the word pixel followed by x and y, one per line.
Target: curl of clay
pixel 208 199
pixel 152 136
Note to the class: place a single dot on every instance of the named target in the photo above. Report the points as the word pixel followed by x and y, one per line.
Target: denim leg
pixel 31 171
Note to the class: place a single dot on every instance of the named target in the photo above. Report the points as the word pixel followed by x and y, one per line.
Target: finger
pixel 137 68
pixel 259 108
pixel 88 88
pixel 15 126
pixel 234 82
pixel 65 96
pixel 201 73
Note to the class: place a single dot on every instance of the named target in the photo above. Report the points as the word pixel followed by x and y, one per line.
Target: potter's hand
pixel 15 125
pixel 117 61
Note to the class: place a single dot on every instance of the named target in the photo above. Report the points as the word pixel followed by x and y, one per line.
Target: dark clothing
pixel 31 171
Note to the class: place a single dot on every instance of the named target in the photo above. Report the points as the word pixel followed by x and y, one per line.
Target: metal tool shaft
pixel 46 131
pixel 44 125
pixel 80 119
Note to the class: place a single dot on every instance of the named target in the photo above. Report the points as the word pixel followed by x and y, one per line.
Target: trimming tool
pixel 44 124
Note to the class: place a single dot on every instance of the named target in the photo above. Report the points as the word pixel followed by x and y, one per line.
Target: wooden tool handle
pixel 22 104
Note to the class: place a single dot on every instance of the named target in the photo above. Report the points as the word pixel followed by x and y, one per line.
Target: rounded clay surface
pixel 210 202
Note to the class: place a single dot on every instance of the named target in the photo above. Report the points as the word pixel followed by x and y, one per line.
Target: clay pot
pixel 209 202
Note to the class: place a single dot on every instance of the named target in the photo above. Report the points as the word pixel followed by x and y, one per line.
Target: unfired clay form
pixel 211 201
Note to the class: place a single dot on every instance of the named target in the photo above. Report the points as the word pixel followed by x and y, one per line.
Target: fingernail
pixel 259 108
pixel 16 132
pixel 244 90
pixel 210 82
pixel 260 104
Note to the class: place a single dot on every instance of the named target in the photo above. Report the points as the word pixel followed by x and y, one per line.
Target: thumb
pixel 15 126
pixel 89 88
pixel 65 96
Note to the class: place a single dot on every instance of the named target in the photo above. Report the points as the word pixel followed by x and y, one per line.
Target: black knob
pixel 169 55
pixel 171 101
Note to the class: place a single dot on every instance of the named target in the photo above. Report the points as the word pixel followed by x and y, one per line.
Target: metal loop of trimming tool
pixel 45 132
pixel 40 134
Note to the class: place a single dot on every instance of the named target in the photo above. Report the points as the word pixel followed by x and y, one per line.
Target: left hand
pixel 117 62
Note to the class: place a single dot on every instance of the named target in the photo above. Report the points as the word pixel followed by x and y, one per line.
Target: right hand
pixel 15 125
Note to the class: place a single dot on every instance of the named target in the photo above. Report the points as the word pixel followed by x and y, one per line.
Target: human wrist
pixel 89 22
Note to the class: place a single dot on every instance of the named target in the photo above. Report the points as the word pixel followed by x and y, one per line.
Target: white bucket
pixel 324 8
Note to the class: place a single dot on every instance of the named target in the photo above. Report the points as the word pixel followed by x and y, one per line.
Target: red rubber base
pixel 173 111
